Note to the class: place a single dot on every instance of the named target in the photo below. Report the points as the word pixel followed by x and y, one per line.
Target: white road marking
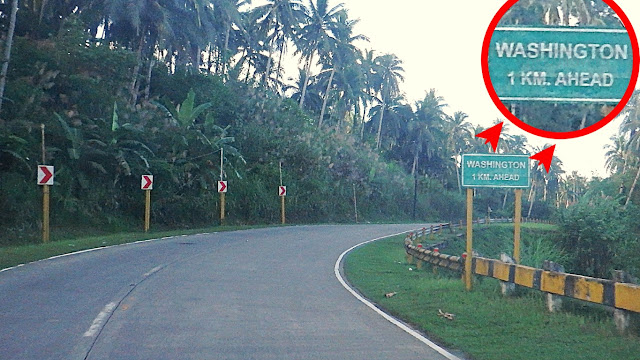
pixel 391 319
pixel 152 271
pixel 95 249
pixel 100 319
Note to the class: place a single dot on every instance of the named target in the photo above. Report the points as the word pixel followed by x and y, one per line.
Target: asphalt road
pixel 255 294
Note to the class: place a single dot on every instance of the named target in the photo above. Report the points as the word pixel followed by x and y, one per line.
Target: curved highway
pixel 254 294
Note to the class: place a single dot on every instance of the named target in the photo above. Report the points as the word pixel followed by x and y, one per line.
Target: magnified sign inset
pixel 560 64
pixel 557 81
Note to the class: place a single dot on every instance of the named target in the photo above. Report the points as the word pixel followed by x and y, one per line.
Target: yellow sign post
pixel 222 207
pixel 46 234
pixel 516 226
pixel 147 210
pixel 468 260
pixel 282 210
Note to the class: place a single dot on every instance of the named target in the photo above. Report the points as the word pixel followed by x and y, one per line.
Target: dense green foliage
pixel 600 235
pixel 536 243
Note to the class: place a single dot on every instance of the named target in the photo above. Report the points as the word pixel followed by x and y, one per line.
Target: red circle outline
pixel 550 134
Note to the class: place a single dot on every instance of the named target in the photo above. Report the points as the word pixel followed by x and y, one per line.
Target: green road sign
pixel 560 64
pixel 498 171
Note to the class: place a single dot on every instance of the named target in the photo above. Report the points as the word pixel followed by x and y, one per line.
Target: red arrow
pixel 545 157
pixel 47 175
pixel 221 186
pixel 148 182
pixel 283 190
pixel 492 135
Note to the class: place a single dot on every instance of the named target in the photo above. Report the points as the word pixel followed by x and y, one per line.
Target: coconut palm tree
pixel 459 134
pixel 280 19
pixel 319 24
pixel 338 53
pixel 388 73
pixel 617 154
pixel 631 127
pixel 227 13
pixel 428 117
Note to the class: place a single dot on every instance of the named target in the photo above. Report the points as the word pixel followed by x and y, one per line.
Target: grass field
pixel 486 325
pixel 21 254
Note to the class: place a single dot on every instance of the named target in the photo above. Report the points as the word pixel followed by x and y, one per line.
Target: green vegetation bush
pixel 100 145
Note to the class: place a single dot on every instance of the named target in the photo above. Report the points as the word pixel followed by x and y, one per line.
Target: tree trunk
pixel 380 124
pixel 279 72
pixel 136 71
pixel 531 204
pixel 530 197
pixel 565 12
pixel 307 74
pixel 415 194
pixel 633 186
pixel 504 200
pixel 268 69
pixel 455 164
pixel 225 51
pixel 147 89
pixel 416 158
pixel 364 114
pixel 583 124
pixel 7 50
pixel 198 58
pixel 326 97
pixel 42 6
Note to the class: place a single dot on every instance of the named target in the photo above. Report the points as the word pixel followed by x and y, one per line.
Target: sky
pixel 440 43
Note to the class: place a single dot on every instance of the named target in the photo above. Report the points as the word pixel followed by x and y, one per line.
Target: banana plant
pixel 185 114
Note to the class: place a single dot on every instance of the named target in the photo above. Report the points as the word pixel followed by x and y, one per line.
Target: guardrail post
pixel 622 318
pixel 507 288
pixel 554 302
pixel 407 242
pixel 435 267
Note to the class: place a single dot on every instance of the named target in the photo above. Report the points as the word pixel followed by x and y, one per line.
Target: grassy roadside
pixel 21 254
pixel 486 326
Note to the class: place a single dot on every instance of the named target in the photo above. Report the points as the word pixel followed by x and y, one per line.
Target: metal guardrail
pixel 620 295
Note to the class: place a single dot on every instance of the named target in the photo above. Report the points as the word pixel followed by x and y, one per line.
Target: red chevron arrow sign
pixel 222 186
pixel 147 182
pixel 45 175
pixel 282 190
